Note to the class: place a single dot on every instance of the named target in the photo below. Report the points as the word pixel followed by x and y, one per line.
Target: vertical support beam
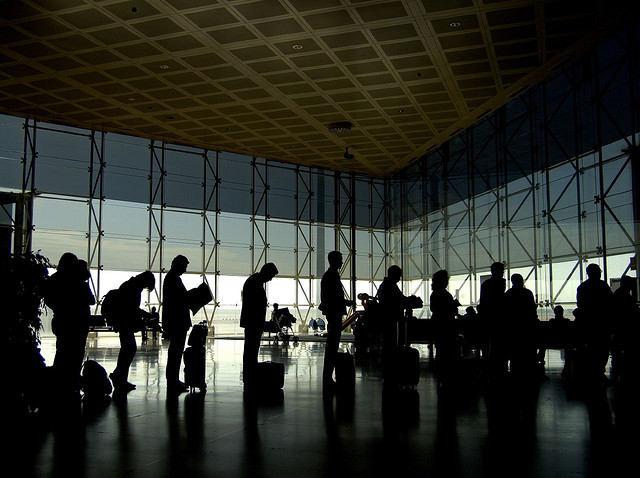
pixel 634 151
pixel 95 201
pixel 259 198
pixel 352 205
pixel 600 199
pixel 156 207
pixel 210 202
pixel 24 206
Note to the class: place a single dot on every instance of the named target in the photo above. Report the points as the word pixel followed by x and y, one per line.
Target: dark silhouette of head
pixel 275 306
pixel 594 272
pixel 558 312
pixel 517 281
pixel 394 273
pixel 497 269
pixel 440 280
pixel 146 280
pixel 268 271
pixel 67 262
pixel 179 264
pixel 335 259
pixel 470 311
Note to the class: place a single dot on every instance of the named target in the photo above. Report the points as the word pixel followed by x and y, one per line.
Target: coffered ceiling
pixel 266 77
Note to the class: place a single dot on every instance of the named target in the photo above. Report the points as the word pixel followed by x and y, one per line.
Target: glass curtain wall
pixel 544 185
pixel 127 204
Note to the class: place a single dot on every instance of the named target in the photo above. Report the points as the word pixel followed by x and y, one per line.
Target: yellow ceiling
pixel 266 77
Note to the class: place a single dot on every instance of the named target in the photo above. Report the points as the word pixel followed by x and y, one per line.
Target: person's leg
pixel 128 348
pixel 174 357
pixel 252 338
pixel 331 348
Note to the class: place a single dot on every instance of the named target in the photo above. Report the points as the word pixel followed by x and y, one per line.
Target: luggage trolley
pixel 282 325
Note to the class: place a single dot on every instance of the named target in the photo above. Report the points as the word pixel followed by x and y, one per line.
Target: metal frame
pixel 523 146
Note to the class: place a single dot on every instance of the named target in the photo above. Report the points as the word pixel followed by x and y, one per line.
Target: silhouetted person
pixel 491 311
pixel 471 330
pixel 624 351
pixel 520 327
pixel 444 310
pixel 130 321
pixel 470 313
pixel 392 304
pixel 69 296
pixel 333 306
pixel 594 300
pixel 176 321
pixel 559 330
pixel 252 318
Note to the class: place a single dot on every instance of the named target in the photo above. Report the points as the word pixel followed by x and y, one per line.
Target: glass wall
pixel 127 204
pixel 544 185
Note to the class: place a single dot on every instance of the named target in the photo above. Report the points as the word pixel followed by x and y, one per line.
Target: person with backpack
pixel 127 318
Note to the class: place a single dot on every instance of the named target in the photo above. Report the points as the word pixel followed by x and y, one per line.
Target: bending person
pixel 252 318
pixel 131 320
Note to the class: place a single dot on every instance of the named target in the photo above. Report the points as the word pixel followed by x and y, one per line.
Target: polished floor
pixel 472 432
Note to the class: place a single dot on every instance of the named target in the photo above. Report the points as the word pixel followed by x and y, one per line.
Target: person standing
pixel 444 310
pixel 392 304
pixel 492 313
pixel 594 300
pixel 252 318
pixel 130 321
pixel 69 296
pixel 176 321
pixel 333 306
pixel 520 330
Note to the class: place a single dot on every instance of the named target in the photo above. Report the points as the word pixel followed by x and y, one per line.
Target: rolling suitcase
pixel 401 367
pixel 345 371
pixel 401 364
pixel 194 368
pixel 270 375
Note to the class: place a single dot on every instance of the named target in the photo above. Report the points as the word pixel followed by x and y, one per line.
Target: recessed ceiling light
pixel 131 98
pixel 297 46
pixel 401 110
pixel 340 127
pixel 164 67
pixel 454 24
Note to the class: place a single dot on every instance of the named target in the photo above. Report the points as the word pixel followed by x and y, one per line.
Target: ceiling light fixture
pixel 164 67
pixel 454 24
pixel 340 127
pixel 401 110
pixel 297 46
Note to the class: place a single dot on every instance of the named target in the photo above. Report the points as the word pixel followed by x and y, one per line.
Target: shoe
pixel 177 387
pixel 120 384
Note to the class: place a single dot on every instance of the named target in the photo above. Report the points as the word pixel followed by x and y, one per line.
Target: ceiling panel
pixel 266 77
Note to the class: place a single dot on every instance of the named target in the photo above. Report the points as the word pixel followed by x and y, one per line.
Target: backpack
pixel 110 308
pixel 94 381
